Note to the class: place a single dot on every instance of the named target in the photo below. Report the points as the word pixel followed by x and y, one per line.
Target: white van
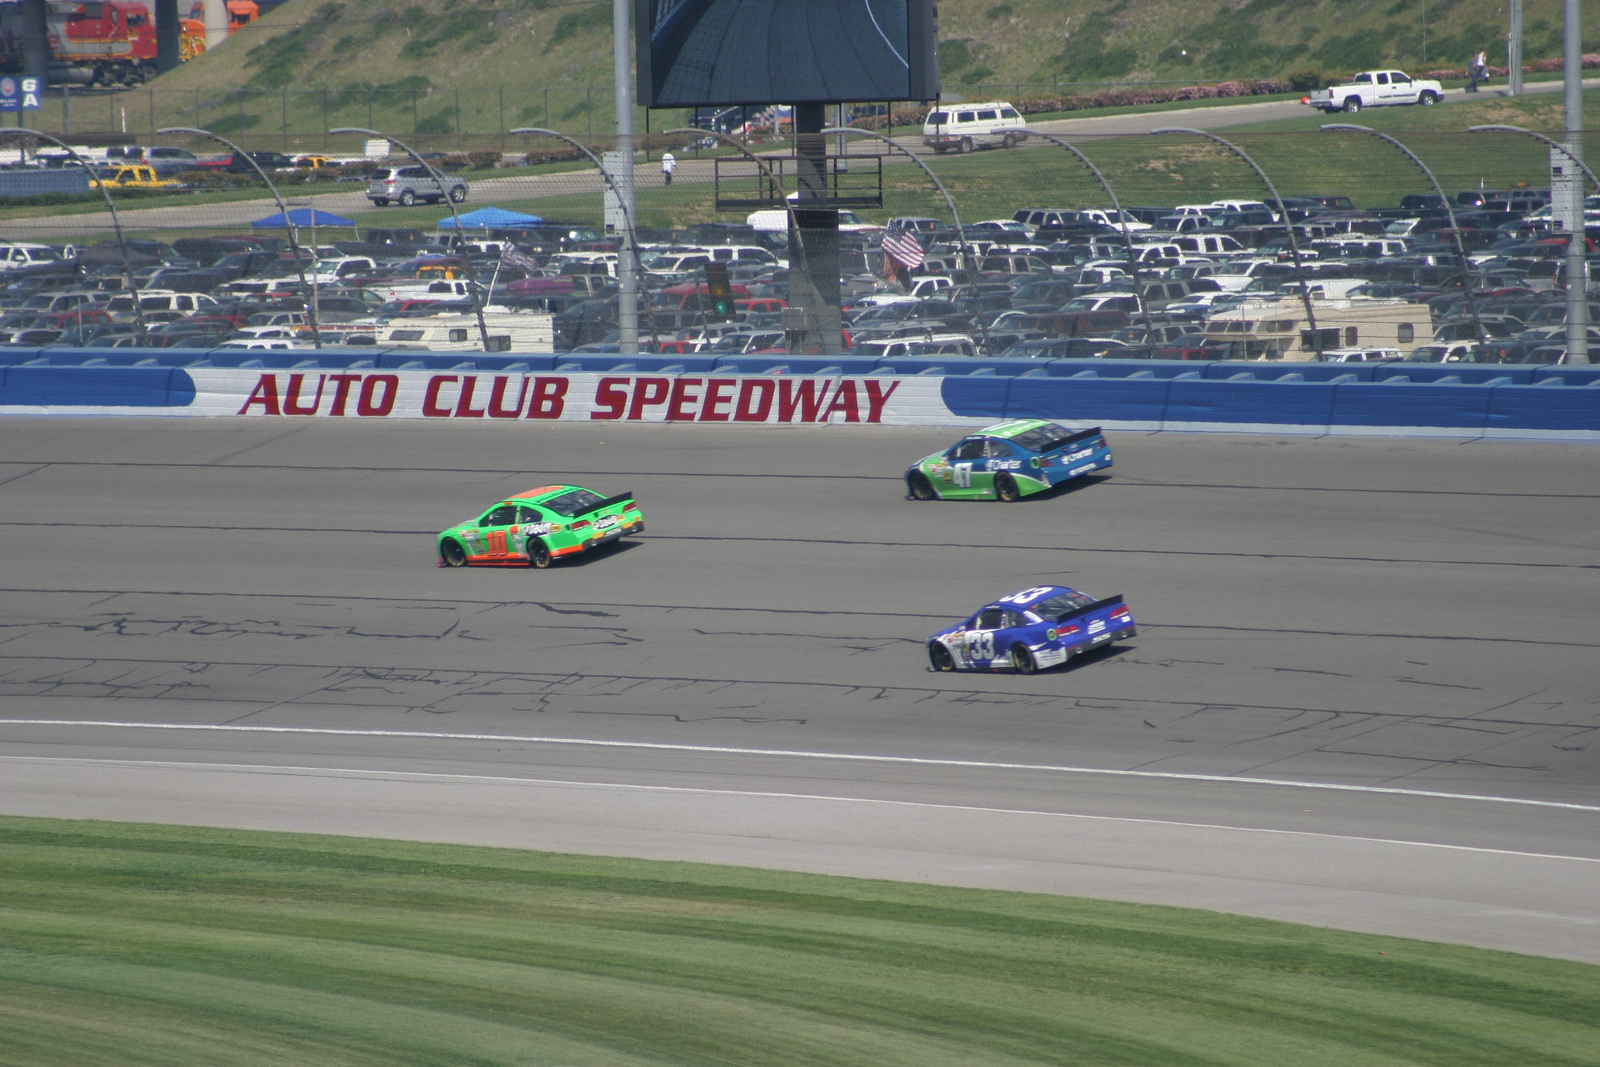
pixel 517 331
pixel 968 126
pixel 776 220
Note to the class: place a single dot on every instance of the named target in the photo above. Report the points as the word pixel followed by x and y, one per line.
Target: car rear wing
pixel 1098 605
pixel 1082 435
pixel 608 502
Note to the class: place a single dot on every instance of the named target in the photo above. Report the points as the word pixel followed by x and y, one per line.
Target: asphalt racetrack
pixel 1364 693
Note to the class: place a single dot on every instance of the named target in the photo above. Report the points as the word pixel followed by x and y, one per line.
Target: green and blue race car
pixel 530 529
pixel 1008 462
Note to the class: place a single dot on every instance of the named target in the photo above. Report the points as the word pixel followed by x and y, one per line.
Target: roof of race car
pixel 1028 597
pixel 533 495
pixel 1011 429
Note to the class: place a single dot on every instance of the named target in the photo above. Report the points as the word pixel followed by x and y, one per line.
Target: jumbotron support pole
pixel 1450 213
pixel 1577 229
pixel 1283 213
pixel 627 251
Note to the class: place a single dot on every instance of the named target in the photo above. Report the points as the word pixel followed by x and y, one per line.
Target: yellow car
pixel 134 176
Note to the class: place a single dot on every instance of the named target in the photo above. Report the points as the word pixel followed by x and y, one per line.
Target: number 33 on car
pixel 530 529
pixel 1008 462
pixel 1028 631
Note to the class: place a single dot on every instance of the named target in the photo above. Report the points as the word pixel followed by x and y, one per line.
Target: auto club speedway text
pixel 766 398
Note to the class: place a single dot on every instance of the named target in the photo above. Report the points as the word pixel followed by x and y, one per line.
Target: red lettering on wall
pixel 291 398
pixel 844 401
pixel 430 399
pixel 464 408
pixel 266 394
pixel 369 403
pixel 611 398
pixel 755 400
pixel 497 396
pixel 877 397
pixel 681 399
pixel 341 391
pixel 715 398
pixel 548 394
pixel 807 396
pixel 648 392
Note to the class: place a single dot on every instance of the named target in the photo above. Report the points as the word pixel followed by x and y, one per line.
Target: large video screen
pixel 701 53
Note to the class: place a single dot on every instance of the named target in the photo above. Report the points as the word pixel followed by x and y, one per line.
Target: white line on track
pixel 765 795
pixel 717 750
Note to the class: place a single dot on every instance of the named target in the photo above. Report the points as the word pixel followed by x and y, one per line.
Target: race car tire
pixel 1023 660
pixel 1005 487
pixel 921 488
pixel 452 554
pixel 408 198
pixel 940 657
pixel 538 554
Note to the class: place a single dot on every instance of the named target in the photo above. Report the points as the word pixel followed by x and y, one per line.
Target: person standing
pixel 1477 71
pixel 669 163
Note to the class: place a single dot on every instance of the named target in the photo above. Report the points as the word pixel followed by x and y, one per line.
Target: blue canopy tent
pixel 303 216
pixel 490 218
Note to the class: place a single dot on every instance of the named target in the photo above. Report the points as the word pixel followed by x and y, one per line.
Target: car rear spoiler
pixel 620 498
pixel 1098 605
pixel 1082 435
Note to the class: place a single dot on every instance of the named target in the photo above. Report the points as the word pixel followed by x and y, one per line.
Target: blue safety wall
pixel 1453 399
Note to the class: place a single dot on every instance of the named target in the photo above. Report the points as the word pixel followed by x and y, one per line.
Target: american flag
pixel 509 254
pixel 904 248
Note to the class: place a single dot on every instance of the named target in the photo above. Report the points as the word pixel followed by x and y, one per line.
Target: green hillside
pixel 477 67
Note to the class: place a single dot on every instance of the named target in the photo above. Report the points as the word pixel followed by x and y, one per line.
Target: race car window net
pixel 525 514
pixel 1045 438
pixel 1059 607
pixel 504 515
pixel 574 503
pixel 969 450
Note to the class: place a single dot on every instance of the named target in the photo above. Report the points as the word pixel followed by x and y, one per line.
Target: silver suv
pixel 407 185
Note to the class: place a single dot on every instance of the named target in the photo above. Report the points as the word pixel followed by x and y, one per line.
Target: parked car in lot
pixel 406 185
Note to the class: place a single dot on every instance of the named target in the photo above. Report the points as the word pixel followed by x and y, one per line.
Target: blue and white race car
pixel 1028 631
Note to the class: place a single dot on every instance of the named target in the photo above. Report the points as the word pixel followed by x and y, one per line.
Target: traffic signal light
pixel 719 293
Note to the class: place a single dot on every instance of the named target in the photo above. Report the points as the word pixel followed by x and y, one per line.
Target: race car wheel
pixel 1023 660
pixel 939 656
pixel 1005 487
pixel 538 554
pixel 921 488
pixel 408 198
pixel 452 554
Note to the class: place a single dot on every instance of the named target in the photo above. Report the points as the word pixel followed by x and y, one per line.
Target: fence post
pixel 66 110
pixel 197 110
pixel 458 120
pixel 286 119
pixel 413 112
pixel 547 107
pixel 324 118
pixel 152 116
pixel 501 127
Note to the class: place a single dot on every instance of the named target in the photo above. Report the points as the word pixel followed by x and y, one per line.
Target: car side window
pixel 1013 619
pixel 504 515
pixel 996 449
pixel 990 619
pixel 969 449
pixel 526 514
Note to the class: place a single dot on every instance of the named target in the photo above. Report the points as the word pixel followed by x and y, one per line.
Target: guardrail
pixel 1455 400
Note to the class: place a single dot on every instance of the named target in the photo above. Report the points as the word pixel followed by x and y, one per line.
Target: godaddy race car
pixel 1028 631
pixel 1008 462
pixel 532 528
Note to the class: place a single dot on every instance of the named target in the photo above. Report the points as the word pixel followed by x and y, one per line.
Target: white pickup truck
pixel 1375 88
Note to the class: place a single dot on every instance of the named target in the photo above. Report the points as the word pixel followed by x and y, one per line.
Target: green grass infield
pixel 146 944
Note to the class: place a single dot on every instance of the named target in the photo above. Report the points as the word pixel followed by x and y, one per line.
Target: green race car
pixel 530 529
pixel 1009 461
